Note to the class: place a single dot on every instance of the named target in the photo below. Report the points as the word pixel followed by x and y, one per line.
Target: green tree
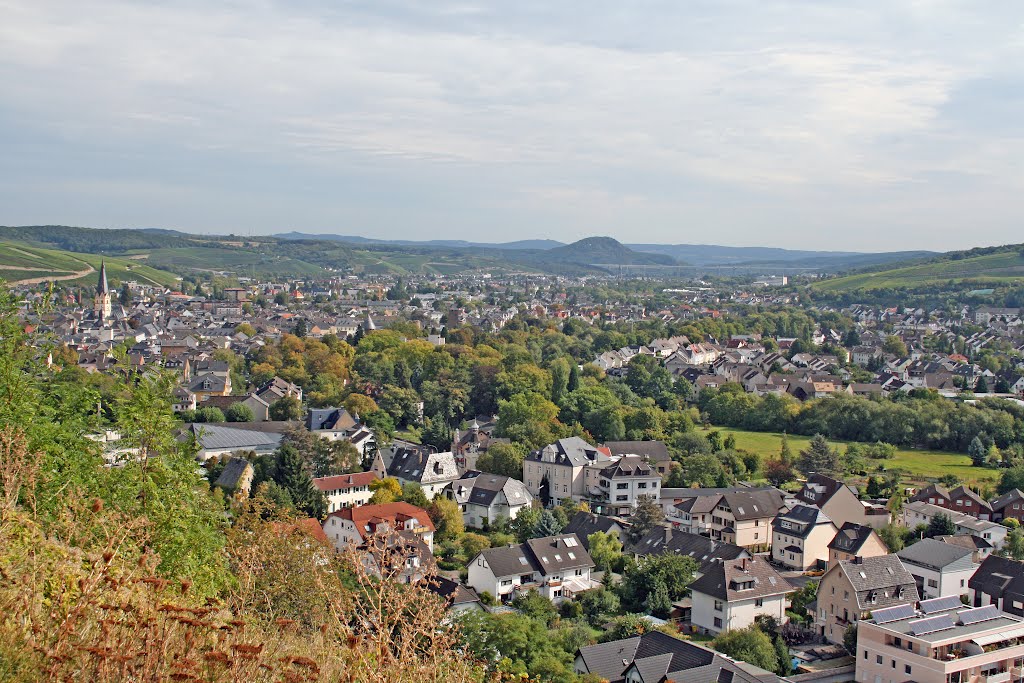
pixel 286 408
pixel 447 518
pixel 818 457
pixel 895 346
pixel 893 536
pixel 548 525
pixel 599 605
pixel 210 414
pixel 977 451
pixel 1014 547
pixel 647 515
pixel 800 598
pixel 642 577
pixel 940 525
pixel 750 645
pixel 412 493
pixel 605 550
pixel 386 490
pixel 239 412
pixel 850 639
pixel 981 387
pixel 292 474
pixel 525 523
pixel 505 459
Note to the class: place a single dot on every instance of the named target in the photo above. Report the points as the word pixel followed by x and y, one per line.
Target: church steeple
pixel 102 304
pixel 101 287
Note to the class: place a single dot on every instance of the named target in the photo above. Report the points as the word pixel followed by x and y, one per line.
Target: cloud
pixel 791 104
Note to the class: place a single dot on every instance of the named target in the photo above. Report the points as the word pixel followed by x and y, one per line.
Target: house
pixel 731 594
pixel 940 641
pixel 486 498
pixel 214 439
pixel 915 514
pixel 664 541
pixel 277 388
pixel 557 567
pixel 742 516
pixel 839 502
pixel 431 471
pixel 337 424
pixel 346 490
pixel 474 442
pixel 800 537
pixel 1010 504
pixel 851 589
pixel 979 547
pixel 355 524
pixel 998 581
pixel 584 523
pixel 568 468
pixel 939 568
pixel 855 540
pixel 205 386
pixel 457 597
pixel 260 409
pixel 657 657
pixel 236 477
pixel 654 452
pixel 622 485
pixel 961 499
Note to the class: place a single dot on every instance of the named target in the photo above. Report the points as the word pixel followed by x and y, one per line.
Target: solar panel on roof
pixel 946 602
pixel 884 616
pixel 979 614
pixel 931 624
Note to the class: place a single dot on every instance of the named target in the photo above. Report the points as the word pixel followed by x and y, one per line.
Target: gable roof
pixel 584 523
pixel 999 577
pixel 344 481
pixel 233 472
pixel 362 515
pixel 548 555
pixel 655 451
pixel 664 541
pixel 851 537
pixel 731 580
pixel 423 467
pixel 934 554
pixel 876 575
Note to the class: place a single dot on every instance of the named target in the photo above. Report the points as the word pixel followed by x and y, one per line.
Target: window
pixel 932 583
pixel 906 669
pixel 846 595
pixel 622 487
pixel 506 582
pixel 718 605
pixel 759 602
pixel 878 659
pixel 642 485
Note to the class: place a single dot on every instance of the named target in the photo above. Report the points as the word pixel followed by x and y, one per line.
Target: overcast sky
pixel 857 125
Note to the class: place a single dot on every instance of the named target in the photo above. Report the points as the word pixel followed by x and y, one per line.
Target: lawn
pixel 920 465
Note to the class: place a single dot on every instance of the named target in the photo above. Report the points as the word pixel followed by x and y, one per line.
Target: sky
pixel 858 125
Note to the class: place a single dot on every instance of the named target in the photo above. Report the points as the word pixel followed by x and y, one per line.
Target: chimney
pixel 668 534
pixel 743 565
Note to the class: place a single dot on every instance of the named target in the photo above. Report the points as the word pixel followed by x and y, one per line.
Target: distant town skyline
pixel 853 126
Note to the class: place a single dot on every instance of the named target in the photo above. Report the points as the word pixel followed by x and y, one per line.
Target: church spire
pixel 101 287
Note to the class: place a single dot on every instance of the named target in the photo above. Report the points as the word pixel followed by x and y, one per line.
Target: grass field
pixel 19 261
pixel 994 268
pixel 239 261
pixel 920 465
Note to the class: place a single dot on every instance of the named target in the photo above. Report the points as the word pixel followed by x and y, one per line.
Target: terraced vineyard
pixel 999 267
pixel 24 264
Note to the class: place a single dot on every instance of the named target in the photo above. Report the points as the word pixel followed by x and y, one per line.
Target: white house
pixel 939 568
pixel 730 594
pixel 485 498
pixel 353 525
pixel 918 513
pixel 622 484
pixel 432 471
pixel 557 567
pixel 346 490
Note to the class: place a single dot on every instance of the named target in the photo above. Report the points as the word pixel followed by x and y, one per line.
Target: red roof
pixel 390 512
pixel 344 481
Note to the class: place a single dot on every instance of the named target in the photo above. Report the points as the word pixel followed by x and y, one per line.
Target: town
pixel 666 480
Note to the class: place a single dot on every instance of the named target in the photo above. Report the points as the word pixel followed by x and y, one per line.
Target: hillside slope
pixel 996 265
pixel 605 251
pixel 22 263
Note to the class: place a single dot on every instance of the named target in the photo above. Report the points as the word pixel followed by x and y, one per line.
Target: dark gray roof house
pixel 663 540
pixel 880 581
pixel 1002 580
pixel 936 555
pixel 740 579
pixel 584 523
pixel 655 657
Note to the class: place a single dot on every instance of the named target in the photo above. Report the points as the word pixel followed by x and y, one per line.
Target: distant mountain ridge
pixel 357 239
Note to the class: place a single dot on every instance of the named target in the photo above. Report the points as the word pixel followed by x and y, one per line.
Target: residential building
pixel 355 524
pixel 731 594
pixel 346 490
pixel 742 516
pixel 1009 505
pixel 431 471
pixel 557 567
pixel 654 452
pixel 584 523
pixel 939 568
pixel 853 541
pixel 960 499
pixel 801 536
pixel 915 514
pixel 665 541
pixel 851 589
pixel 568 468
pixel 236 477
pixel 335 424
pixel 998 581
pixel 657 657
pixel 941 641
pixel 486 498
pixel 622 485
pixel 459 598
pixel 214 439
pixel 839 502
pixel 979 547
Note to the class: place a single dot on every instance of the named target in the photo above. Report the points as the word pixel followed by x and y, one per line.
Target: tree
pixel 850 639
pixel 785 453
pixel 286 408
pixel 548 525
pixel 750 645
pixel 599 604
pixel 778 472
pixel 893 536
pixel 818 457
pixel 239 412
pixel 209 414
pixel 940 525
pixel 895 346
pixel 800 598
pixel 447 519
pixel 574 377
pixel 647 515
pixel 605 550
pixel 473 544
pixel 977 451
pixel 525 523
pixel 982 386
pixel 642 577
pixel 505 459
pixel 412 493
pixel 386 490
pixel 292 474
pixel 1010 479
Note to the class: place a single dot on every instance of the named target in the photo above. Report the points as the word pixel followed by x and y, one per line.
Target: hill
pixel 994 265
pixel 605 251
pixel 22 263
pixel 356 239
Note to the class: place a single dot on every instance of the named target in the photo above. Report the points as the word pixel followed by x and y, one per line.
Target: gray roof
pixel 753 503
pixel 215 437
pixel 804 516
pixel 584 523
pixel 851 537
pixel 424 468
pixel 233 472
pixel 655 451
pixel 548 555
pixel 510 560
pixel 936 555
pixel 741 579
pixel 662 541
pixel 572 451
pixel 482 488
pixel 880 581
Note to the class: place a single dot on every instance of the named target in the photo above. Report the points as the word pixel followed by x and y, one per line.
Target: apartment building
pixel 622 484
pixel 741 516
pixel 939 568
pixel 346 490
pixel 854 541
pixel 568 468
pixel 557 567
pixel 916 514
pixel 940 641
pixel 800 537
pixel 851 589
